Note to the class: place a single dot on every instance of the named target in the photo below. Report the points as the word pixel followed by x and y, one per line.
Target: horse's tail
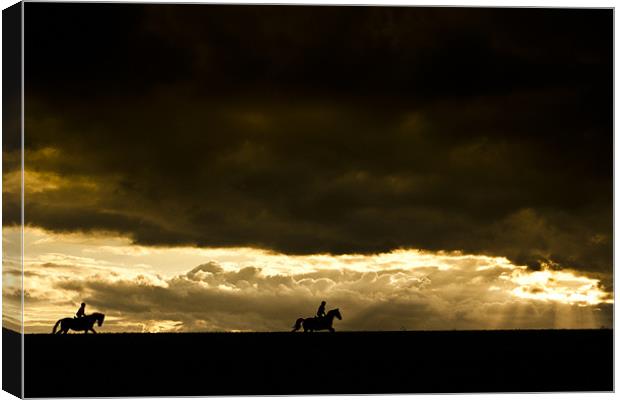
pixel 297 324
pixel 56 326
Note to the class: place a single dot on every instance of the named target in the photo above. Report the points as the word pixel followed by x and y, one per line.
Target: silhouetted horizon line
pixel 340 331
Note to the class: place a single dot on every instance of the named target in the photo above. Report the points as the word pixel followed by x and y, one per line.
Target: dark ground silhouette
pixel 348 362
pixel 11 362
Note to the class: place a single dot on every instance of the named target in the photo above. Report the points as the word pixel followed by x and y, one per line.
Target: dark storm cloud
pixel 325 129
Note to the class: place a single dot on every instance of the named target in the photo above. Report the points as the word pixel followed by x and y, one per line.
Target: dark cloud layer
pixel 325 129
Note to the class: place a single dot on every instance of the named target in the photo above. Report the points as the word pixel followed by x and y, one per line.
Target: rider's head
pixel 323 303
pixel 83 304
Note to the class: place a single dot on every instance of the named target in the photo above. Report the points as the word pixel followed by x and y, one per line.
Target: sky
pixel 229 167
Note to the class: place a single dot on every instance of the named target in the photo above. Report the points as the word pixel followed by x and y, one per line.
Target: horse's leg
pixel 331 329
pixel 93 329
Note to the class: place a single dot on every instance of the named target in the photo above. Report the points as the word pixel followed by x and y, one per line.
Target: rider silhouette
pixel 321 311
pixel 80 313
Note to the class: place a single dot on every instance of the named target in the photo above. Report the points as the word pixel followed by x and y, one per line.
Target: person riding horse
pixel 83 324
pixel 81 313
pixel 320 313
pixel 318 323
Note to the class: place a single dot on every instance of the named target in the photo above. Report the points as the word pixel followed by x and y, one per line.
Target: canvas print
pixel 283 199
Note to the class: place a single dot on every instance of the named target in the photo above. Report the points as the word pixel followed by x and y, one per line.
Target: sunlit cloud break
pixel 560 286
pixel 240 289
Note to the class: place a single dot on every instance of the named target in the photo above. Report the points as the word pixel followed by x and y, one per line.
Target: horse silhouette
pixel 318 323
pixel 79 324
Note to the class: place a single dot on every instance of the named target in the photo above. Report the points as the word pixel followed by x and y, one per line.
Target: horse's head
pixel 336 313
pixel 100 317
